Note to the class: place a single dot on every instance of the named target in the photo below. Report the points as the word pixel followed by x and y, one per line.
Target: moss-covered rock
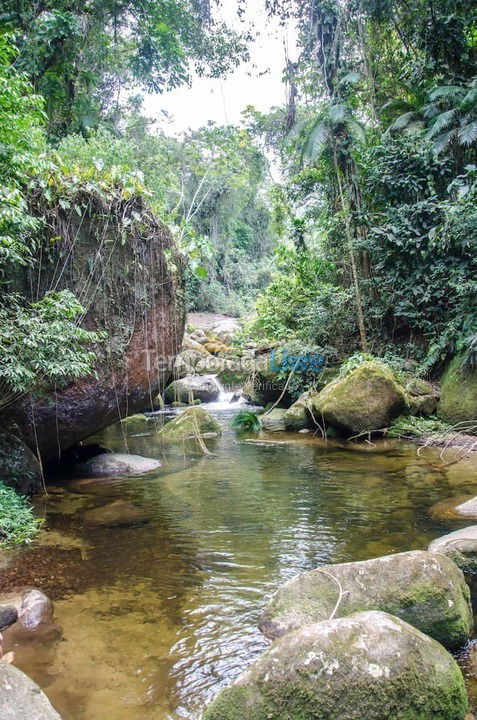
pixel 193 387
pixel 425 589
pixel 458 401
pixel 367 399
pixel 422 405
pixel 460 546
pixel 370 666
pixel 191 423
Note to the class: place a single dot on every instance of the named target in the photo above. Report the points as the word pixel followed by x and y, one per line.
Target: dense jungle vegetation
pixel 368 242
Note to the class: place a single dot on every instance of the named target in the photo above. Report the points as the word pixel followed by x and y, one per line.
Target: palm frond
pixel 443 140
pixel 442 121
pixel 446 92
pixel 468 133
pixel 317 140
pixel 403 121
pixel 337 113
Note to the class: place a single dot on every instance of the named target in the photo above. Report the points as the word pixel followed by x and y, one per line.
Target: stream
pixel 155 616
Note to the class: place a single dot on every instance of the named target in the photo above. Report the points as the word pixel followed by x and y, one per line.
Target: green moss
pixel 189 424
pixel 458 401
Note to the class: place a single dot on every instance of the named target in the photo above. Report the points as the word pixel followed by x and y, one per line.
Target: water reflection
pixel 156 616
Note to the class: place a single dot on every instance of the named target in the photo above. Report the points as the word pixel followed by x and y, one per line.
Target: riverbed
pixel 155 616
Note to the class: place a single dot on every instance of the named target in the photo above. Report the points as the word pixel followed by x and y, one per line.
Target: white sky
pixel 258 82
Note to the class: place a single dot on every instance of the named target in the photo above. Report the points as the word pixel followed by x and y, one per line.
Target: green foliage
pixel 81 55
pixel 17 522
pixel 41 342
pixel 417 427
pixel 247 421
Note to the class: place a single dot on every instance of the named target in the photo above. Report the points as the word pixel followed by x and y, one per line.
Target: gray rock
pixel 33 607
pixel 298 416
pixel 8 615
pixel 193 387
pixel 425 589
pixel 21 698
pixel 456 508
pixel 370 666
pixel 273 421
pixel 460 546
pixel 114 464
pixel 116 514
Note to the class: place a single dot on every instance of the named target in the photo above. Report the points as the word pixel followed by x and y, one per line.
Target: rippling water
pixel 155 617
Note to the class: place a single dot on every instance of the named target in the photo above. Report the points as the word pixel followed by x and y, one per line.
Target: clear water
pixel 156 617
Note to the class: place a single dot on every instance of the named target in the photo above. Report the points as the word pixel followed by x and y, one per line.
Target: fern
pixel 247 421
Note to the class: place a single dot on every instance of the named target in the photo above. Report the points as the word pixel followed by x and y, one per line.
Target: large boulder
pixel 122 263
pixel 193 387
pixel 425 589
pixel 191 423
pixel 458 401
pixel 21 698
pixel 370 666
pixel 366 400
pixel 19 466
pixel 116 464
pixel 460 546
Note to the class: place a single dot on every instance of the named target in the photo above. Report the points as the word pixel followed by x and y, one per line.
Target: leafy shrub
pixel 247 421
pixel 17 522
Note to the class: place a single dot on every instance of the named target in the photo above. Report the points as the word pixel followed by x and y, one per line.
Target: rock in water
pixel 370 666
pixel 460 507
pixel 8 615
pixel 33 607
pixel 366 400
pixel 190 424
pixel 273 421
pixel 114 464
pixel 193 387
pixel 116 514
pixel 21 698
pixel 424 589
pixel 124 267
pixel 460 546
pixel 19 466
pixel 458 401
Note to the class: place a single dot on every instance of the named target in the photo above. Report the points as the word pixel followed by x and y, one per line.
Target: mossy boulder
pixel 366 400
pixel 458 401
pixel 190 424
pixel 426 590
pixel 460 546
pixel 422 405
pixel 370 666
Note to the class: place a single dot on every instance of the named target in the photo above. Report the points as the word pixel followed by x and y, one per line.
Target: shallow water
pixel 155 617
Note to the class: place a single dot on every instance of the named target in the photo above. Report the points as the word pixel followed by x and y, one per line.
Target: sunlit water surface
pixel 156 617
